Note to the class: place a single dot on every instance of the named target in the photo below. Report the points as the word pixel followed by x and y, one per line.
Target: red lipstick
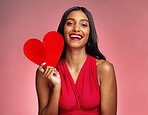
pixel 74 36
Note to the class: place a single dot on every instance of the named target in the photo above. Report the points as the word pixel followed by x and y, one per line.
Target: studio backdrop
pixel 122 28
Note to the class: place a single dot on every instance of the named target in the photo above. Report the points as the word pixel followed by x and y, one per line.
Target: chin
pixel 76 46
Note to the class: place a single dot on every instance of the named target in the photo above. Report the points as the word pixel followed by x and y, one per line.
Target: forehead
pixel 77 15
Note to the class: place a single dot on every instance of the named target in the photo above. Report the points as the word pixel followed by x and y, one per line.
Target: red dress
pixel 82 97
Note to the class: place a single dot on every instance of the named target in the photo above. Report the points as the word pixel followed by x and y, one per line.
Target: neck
pixel 75 58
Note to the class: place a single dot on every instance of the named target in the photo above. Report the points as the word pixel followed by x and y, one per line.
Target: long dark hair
pixel 91 45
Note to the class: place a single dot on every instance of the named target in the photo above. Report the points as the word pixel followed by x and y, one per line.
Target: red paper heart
pixel 49 51
pixel 34 51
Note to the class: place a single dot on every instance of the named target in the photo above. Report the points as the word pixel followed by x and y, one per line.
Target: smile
pixel 74 36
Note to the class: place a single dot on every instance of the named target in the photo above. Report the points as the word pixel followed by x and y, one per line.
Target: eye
pixel 85 25
pixel 70 23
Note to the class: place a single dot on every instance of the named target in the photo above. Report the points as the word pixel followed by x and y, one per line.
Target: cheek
pixel 65 32
pixel 87 32
pixel 66 29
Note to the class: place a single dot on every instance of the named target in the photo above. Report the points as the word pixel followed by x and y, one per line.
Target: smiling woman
pixel 83 82
pixel 76 21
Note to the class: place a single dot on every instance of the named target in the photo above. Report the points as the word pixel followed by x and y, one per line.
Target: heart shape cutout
pixel 49 51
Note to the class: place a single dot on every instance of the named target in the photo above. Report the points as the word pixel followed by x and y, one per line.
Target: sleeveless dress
pixel 82 97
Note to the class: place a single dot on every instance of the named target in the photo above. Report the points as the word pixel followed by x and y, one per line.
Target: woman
pixel 83 82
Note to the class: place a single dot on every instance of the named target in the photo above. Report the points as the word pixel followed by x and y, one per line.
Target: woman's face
pixel 76 29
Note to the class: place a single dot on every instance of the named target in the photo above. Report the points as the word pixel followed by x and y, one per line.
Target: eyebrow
pixel 80 20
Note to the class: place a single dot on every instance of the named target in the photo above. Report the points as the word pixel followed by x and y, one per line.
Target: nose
pixel 76 28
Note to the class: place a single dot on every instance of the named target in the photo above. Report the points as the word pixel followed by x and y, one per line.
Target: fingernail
pixel 44 63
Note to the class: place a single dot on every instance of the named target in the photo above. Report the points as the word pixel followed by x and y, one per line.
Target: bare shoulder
pixel 105 68
pixel 104 65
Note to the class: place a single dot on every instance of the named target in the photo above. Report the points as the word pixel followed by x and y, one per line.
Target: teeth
pixel 75 36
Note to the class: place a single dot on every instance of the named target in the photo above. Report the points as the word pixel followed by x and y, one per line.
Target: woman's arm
pixel 48 100
pixel 108 87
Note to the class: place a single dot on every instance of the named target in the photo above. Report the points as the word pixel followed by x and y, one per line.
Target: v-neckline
pixel 78 77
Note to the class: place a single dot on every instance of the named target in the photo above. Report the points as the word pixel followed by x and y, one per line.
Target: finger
pixel 46 71
pixel 51 67
pixel 42 64
pixel 52 72
pixel 41 67
pixel 55 77
pixel 55 69
pixel 48 75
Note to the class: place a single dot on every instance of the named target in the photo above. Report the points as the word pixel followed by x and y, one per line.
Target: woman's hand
pixel 51 73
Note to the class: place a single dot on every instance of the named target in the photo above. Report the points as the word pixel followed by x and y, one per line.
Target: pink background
pixel 122 27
